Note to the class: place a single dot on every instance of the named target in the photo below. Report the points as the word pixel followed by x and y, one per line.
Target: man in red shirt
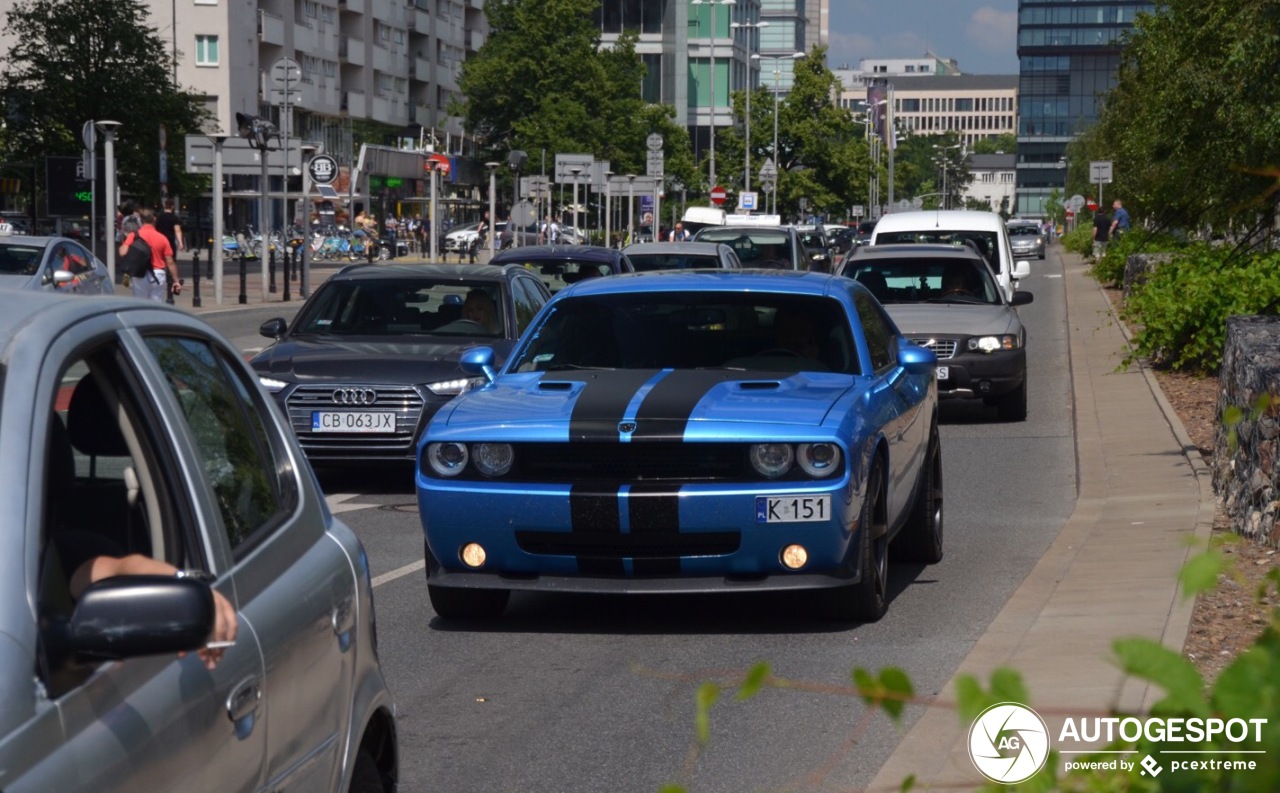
pixel 164 269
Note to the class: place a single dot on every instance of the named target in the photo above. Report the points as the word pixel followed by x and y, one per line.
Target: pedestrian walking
pixel 168 224
pixel 1119 220
pixel 164 270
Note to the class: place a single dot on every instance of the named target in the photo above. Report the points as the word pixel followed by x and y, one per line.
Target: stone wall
pixel 1245 473
pixel 1138 266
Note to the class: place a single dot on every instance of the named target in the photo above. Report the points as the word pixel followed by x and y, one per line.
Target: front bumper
pixel 976 375
pixel 633 538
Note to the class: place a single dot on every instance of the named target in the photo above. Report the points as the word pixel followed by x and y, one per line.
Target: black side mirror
pixel 131 616
pixel 273 328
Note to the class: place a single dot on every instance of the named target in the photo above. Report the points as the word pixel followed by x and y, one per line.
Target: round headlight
pixel 493 459
pixel 772 459
pixel 818 459
pixel 447 459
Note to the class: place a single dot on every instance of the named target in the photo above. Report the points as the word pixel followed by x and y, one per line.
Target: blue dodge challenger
pixel 688 432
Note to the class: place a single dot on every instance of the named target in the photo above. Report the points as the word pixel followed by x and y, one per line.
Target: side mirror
pixel 1021 270
pixel 916 359
pixel 479 361
pixel 273 328
pixel 131 616
pixel 1021 298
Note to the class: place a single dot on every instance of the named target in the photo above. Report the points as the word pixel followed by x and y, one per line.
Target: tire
pixel 867 600
pixel 365 777
pixel 1013 405
pixel 921 538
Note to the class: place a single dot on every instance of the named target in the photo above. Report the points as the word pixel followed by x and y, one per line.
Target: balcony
pixel 422 70
pixel 355 104
pixel 420 21
pixel 387 12
pixel 270 29
pixel 322 96
pixel 305 38
pixel 384 60
pixel 351 51
pixel 353 6
pixel 389 110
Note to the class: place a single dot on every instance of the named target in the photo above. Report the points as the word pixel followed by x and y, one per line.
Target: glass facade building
pixel 1068 52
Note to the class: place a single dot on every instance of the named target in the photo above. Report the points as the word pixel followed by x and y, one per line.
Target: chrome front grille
pixel 943 348
pixel 404 400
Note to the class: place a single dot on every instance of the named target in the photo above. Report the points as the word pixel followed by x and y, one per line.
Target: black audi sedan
pixel 373 353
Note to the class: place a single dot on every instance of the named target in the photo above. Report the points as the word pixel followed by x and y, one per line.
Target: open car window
pixel 692 330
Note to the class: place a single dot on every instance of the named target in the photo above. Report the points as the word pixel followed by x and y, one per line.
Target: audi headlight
pixel 452 387
pixel 447 459
pixel 772 459
pixel 493 459
pixel 818 459
pixel 272 385
pixel 989 344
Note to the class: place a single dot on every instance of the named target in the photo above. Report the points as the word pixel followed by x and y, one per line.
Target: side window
pixel 879 333
pixel 529 302
pixel 243 462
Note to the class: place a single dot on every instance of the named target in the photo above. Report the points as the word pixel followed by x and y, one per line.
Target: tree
pixel 95 59
pixel 1192 125
pixel 1001 144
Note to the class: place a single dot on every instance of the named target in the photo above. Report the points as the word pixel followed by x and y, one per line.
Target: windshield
pixel 396 307
pixel 672 261
pixel 1024 231
pixel 755 247
pixel 926 280
pixel 20 259
pixel 691 330
pixel 559 273
pixel 984 242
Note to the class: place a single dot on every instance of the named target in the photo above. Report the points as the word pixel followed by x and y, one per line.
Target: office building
pixel 1068 54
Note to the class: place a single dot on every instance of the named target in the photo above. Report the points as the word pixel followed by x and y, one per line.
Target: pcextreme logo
pixel 1009 743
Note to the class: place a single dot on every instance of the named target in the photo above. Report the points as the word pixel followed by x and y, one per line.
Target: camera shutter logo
pixel 1008 743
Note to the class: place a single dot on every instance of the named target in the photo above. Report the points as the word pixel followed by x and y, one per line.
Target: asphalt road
pixel 597 693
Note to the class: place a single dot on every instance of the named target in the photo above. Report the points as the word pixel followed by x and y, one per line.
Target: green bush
pixel 1182 309
pixel 1079 240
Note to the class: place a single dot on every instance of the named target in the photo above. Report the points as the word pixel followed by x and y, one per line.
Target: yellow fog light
pixel 794 557
pixel 473 555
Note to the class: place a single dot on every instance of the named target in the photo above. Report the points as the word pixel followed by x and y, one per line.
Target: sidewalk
pixel 1112 571
pixel 254 293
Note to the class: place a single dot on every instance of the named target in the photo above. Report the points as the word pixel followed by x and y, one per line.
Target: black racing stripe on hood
pixel 654 512
pixel 595 522
pixel 603 401
pixel 665 411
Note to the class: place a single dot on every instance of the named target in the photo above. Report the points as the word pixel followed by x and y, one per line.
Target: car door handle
pixel 242 702
pixel 344 620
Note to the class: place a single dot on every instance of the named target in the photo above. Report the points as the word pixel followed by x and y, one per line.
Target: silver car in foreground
pixel 129 427
pixel 51 264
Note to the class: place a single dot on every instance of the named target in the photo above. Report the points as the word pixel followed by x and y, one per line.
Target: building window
pixel 206 50
pixel 310 9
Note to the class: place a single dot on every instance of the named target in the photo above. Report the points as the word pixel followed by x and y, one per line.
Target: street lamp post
pixel 712 64
pixel 777 61
pixel 945 162
pixel 575 171
pixel 109 147
pixel 493 208
pixel 746 170
pixel 631 205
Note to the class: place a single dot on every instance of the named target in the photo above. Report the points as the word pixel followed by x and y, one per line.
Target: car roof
pixel 32 240
pixel 799 282
pixel 704 247
pixel 945 219
pixel 43 313
pixel 556 253
pixel 912 251
pixel 462 272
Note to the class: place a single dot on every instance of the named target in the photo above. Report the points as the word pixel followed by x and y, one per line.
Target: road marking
pixel 337 503
pixel 1052 275
pixel 399 573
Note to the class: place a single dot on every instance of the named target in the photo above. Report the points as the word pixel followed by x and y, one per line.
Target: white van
pixel 985 230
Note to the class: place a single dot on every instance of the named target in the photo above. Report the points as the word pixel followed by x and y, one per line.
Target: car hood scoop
pixel 649 403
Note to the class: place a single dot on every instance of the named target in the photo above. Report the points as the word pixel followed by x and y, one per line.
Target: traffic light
pixel 10 186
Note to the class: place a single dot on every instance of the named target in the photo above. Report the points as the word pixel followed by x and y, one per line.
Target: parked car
pixel 686 432
pixel 1026 238
pixel 774 247
pixel 51 264
pixel 460 239
pixel 647 256
pixel 985 231
pixel 374 352
pixel 944 297
pixel 130 427
pixel 558 266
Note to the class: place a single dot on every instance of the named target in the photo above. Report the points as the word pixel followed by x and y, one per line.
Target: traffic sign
pixel 768 171
pixel 89 135
pixel 565 163
pixel 1075 202
pixel 747 200
pixel 654 142
pixel 655 163
pixel 718 195
pixel 1093 205
pixel 323 169
pixel 1100 171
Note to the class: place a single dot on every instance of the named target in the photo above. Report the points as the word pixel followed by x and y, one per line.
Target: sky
pixel 981 35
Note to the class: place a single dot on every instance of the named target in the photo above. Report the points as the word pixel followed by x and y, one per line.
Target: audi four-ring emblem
pixel 354 396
